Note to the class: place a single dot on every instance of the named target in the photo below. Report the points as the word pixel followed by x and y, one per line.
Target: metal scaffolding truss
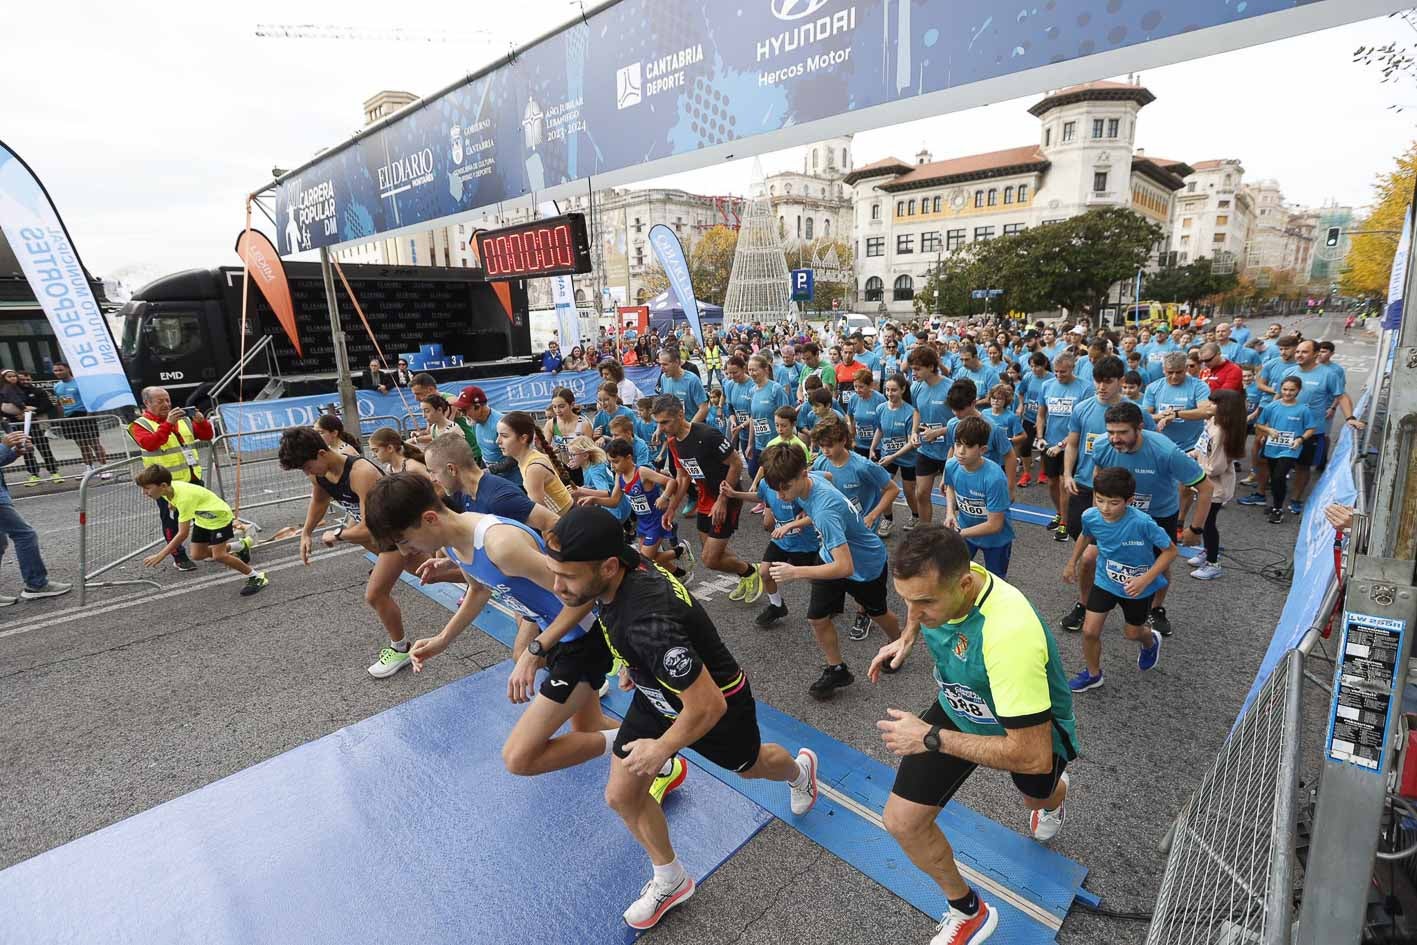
pixel 758 287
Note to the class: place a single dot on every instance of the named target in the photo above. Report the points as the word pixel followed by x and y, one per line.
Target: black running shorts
pixel 733 743
pixel 583 660
pixel 932 778
pixel 829 597
pixel 1135 610
pixel 730 521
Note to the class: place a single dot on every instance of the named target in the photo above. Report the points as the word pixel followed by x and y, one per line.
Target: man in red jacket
pixel 1218 372
pixel 169 438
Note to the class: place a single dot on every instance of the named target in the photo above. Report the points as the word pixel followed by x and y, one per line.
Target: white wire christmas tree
pixel 758 287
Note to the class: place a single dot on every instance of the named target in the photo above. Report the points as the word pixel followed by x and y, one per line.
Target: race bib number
pixel 761 426
pixel 1141 501
pixel 930 426
pixel 1122 573
pixel 1091 438
pixel 503 595
pixel 640 504
pixel 971 506
pixel 968 703
pixel 1284 439
pixel 351 509
pixel 1030 410
pixel 865 430
pixel 893 444
pixel 656 699
pixel 1060 406
pixel 855 505
pixel 692 467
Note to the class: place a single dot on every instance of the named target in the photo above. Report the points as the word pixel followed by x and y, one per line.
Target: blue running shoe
pixel 1254 498
pixel 1296 508
pixel 1148 656
pixel 1084 681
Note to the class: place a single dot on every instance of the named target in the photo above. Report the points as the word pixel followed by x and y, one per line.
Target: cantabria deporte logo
pixel 796 9
pixel 629 84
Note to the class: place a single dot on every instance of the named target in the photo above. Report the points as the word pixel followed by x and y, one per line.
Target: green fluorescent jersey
pixel 998 668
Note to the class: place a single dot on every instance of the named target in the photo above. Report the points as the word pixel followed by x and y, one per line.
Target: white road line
pixel 71 614
pixel 973 877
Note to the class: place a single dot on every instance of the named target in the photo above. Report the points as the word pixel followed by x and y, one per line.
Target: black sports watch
pixel 932 739
pixel 535 648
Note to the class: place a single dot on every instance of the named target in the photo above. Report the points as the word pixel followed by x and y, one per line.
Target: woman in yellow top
pixel 543 475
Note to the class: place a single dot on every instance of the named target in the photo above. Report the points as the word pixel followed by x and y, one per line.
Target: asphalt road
pixel 143 696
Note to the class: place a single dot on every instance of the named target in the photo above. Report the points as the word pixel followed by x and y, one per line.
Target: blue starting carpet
pixel 401 828
pixel 1032 887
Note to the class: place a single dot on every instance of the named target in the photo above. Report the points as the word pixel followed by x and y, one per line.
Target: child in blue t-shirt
pixel 795 545
pixel 1133 553
pixel 623 428
pixel 978 497
pixel 1287 427
pixel 1003 413
pixel 638 488
pixel 718 412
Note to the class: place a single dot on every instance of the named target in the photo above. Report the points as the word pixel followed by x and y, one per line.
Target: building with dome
pixel 908 216
pixel 816 204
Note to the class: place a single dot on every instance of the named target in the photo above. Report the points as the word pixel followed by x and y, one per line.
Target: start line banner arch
pixel 645 88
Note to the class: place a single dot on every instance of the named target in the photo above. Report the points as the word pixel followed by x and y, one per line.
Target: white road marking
pixel 70 614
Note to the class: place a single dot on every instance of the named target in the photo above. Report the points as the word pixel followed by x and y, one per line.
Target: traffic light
pixel 1333 234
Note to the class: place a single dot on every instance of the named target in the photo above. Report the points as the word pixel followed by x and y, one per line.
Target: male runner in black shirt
pixel 690 692
pixel 700 454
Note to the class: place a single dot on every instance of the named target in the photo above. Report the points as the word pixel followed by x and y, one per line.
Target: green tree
pixel 710 264
pixel 1078 260
pixel 1189 283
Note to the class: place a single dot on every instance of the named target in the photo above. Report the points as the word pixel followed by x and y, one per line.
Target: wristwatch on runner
pixel 536 649
pixel 932 739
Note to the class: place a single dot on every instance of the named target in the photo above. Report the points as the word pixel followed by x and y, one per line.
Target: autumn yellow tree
pixel 1369 262
pixel 710 263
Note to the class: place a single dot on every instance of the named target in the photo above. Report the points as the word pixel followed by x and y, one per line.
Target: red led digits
pixel 545 248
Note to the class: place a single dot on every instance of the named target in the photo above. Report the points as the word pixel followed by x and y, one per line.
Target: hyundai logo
pixel 796 9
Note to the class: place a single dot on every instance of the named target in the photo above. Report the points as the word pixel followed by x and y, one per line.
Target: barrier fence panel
pixel 70 445
pixel 1230 874
pixel 261 480
pixel 117 523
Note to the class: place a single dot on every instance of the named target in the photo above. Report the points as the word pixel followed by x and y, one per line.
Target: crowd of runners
pixel 576 522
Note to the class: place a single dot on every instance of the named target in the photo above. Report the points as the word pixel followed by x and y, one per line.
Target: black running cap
pixel 591 533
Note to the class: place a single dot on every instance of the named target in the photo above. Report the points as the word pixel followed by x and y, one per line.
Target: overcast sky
pixel 150 121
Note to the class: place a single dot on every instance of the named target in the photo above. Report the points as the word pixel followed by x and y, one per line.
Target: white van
pixel 852 322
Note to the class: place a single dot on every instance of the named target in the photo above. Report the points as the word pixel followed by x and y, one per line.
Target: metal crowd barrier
pixel 261 481
pixel 117 523
pixel 71 445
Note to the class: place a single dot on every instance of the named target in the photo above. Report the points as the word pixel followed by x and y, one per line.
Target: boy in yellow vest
pixel 209 521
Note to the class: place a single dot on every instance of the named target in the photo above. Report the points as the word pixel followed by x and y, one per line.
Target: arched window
pixel 1023 193
pixel 580 296
pixel 904 288
pixel 809 228
pixel 827 228
pixel 937 204
pixel 875 211
pixel 799 226
pixel 910 208
pixel 843 160
pixel 979 198
pixel 993 196
pixel 900 208
pixel 875 289
pixel 1008 195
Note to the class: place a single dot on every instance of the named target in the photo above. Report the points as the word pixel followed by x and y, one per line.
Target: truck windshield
pixel 128 345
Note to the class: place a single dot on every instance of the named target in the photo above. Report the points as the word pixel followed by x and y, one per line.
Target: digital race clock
pixel 557 246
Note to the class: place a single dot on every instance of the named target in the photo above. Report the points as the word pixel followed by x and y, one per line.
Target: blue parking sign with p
pixel 802 285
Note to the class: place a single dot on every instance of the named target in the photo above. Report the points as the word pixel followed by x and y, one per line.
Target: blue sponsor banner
pixel 531 393
pixel 646 80
pixel 670 252
pixel 1397 279
pixel 61 284
pixel 1313 556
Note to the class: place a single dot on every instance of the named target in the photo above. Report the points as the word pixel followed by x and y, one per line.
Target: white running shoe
pixel 389 662
pixel 1206 572
pixel 885 530
pixel 1045 824
pixel 805 797
pixel 956 928
pixel 1197 561
pixel 646 911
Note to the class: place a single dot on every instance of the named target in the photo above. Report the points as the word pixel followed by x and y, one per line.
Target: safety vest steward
pixel 178 455
pixel 713 358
